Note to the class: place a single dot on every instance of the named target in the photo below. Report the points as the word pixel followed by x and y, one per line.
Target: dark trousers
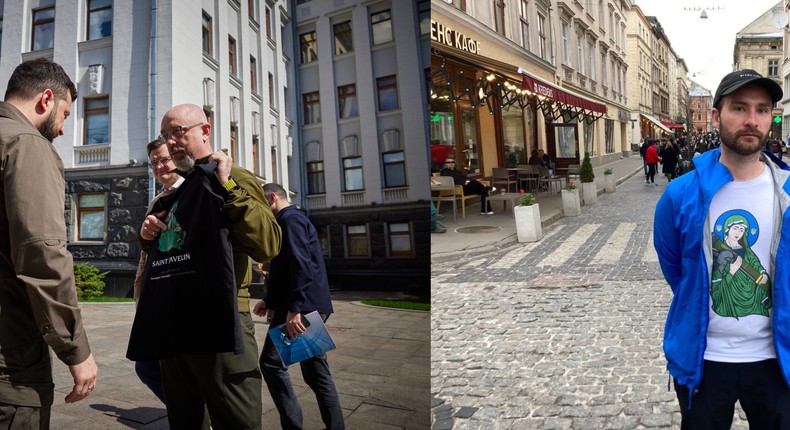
pixel 15 417
pixel 150 375
pixel 228 385
pixel 759 386
pixel 315 372
pixel 651 173
pixel 474 187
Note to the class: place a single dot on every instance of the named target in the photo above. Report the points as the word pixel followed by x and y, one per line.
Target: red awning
pixel 542 88
pixel 670 124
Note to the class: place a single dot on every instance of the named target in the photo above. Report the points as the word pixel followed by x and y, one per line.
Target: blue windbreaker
pixel 681 235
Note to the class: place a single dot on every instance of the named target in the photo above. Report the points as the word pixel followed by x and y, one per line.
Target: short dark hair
pixel 34 76
pixel 156 143
pixel 276 189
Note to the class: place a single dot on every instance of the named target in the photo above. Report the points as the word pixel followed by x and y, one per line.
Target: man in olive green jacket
pixel 38 300
pixel 229 385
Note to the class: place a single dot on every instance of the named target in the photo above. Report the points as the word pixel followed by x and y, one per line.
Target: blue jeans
pixel 150 375
pixel 315 372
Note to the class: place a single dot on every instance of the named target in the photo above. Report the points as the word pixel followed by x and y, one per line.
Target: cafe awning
pixel 565 96
pixel 673 125
pixel 657 123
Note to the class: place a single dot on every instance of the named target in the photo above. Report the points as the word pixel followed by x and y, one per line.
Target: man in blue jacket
pixel 297 285
pixel 722 248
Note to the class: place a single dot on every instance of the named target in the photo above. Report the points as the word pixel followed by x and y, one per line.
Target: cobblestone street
pixel 564 333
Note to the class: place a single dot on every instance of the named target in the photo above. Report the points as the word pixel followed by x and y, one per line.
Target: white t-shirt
pixel 742 217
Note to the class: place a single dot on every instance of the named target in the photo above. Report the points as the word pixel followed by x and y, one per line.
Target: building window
pixel 1 33
pixel 234 143
pixel 268 22
pixel 424 15
pixel 91 216
pixel 580 52
pixel 381 27
pixel 357 240
pixel 388 93
pixel 315 178
pixel 323 240
pixel 399 239
pixel 274 164
pixel 352 173
pixel 232 55
pixel 394 169
pixel 253 75
pixel 773 68
pixel 97 121
pixel 312 108
pixel 343 38
pixel 256 168
pixel 542 36
pixel 43 29
pixel 499 16
pixel 347 100
pixel 591 53
pixel 524 24
pixel 566 49
pixel 308 47
pixel 207 34
pixel 252 9
pixel 99 19
pixel 271 91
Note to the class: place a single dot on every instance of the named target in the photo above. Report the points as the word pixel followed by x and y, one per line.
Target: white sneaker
pixel 493 189
pixel 490 213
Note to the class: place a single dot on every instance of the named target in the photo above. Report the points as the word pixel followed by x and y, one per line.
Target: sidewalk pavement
pixel 381 368
pixel 477 233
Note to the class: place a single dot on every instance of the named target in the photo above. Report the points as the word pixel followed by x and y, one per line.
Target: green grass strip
pixel 412 304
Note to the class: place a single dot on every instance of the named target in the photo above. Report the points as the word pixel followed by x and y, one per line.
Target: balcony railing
pixel 352 198
pixel 395 194
pixel 92 155
pixel 317 201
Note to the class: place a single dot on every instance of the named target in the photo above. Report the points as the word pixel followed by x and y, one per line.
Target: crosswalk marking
pixel 570 246
pixel 613 249
pixel 520 251
pixel 650 255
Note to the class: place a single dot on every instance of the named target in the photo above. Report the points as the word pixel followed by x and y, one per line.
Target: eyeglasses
pixel 160 162
pixel 451 162
pixel 177 132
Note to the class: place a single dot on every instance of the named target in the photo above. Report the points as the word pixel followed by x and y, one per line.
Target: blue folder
pixel 314 341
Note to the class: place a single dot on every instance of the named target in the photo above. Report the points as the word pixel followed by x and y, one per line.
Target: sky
pixel 706 45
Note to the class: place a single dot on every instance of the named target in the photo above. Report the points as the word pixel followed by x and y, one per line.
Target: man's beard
pixel 731 140
pixel 184 162
pixel 48 128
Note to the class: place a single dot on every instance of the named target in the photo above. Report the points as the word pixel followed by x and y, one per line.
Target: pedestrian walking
pixel 651 159
pixel 642 151
pixel 297 285
pixel 669 160
pixel 38 297
pixel 228 385
pixel 723 250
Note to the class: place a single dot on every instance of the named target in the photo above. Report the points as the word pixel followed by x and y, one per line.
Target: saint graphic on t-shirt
pixel 740 285
pixel 173 236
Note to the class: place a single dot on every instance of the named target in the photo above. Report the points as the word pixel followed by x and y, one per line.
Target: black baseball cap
pixel 735 80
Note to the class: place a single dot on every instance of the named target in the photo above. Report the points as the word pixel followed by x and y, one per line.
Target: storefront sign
pixel 542 90
pixel 447 36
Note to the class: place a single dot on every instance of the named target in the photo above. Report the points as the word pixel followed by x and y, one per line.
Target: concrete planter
pixel 609 183
pixel 590 193
pixel 571 205
pixel 528 226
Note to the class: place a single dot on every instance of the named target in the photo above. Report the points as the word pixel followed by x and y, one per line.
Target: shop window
pixel 394 169
pixel 381 27
pixel 343 38
pixel 207 34
pixel 387 92
pixel 513 136
pixel 315 178
pixel 399 239
pixel 312 108
pixel 308 47
pixel 357 241
pixel 589 137
pixel 352 173
pixel 91 216
pixel 347 100
pixel 97 121
pixel 99 19
pixel 608 132
pixel 565 141
pixel 43 36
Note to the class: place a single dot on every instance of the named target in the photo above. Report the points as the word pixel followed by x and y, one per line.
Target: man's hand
pixel 260 308
pixel 84 379
pixel 152 226
pixel 224 163
pixel 293 324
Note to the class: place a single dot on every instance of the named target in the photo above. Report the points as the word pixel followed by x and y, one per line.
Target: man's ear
pixel 43 100
pixel 715 118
